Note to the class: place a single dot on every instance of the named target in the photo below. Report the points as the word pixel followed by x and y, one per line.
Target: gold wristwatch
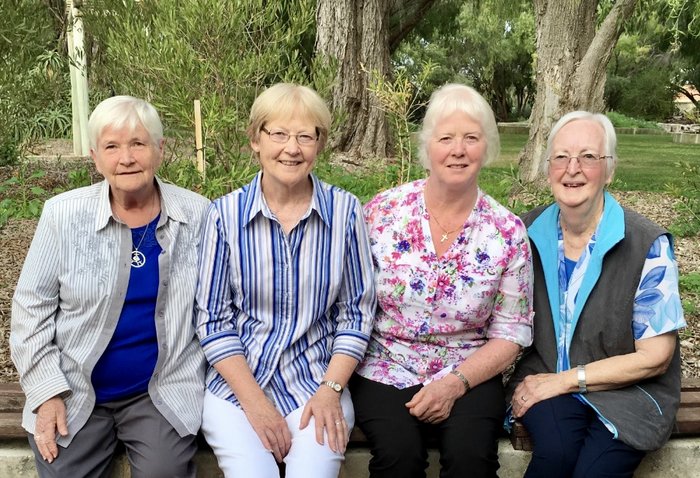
pixel 334 385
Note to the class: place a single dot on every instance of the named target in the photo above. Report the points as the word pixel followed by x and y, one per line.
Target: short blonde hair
pixel 456 97
pixel 124 111
pixel 288 100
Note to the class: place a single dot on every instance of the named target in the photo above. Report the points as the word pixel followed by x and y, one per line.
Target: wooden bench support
pixel 687 419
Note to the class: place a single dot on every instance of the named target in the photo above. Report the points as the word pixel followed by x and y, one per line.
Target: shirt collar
pixel 169 208
pixel 255 202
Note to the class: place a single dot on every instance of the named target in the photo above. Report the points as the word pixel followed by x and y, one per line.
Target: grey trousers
pixel 153 447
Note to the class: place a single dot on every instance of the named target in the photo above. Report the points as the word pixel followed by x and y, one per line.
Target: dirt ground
pixel 16 236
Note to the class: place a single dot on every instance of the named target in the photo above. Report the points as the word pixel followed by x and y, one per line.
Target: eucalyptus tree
pixel 573 50
pixel 358 37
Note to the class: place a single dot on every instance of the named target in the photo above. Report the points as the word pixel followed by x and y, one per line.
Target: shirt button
pixel 165 283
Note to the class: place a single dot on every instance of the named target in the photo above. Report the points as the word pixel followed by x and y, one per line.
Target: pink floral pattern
pixel 435 311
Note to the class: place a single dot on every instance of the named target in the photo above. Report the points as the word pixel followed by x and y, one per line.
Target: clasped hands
pixel 434 401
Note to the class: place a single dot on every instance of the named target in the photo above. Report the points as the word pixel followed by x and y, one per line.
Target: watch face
pixel 334 385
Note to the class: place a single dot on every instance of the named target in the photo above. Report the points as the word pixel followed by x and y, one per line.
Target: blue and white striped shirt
pixel 286 303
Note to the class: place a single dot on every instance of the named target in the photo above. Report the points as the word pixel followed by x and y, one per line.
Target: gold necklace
pixel 445 232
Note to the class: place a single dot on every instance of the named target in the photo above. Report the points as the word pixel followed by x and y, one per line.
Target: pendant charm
pixel 137 259
pixel 443 238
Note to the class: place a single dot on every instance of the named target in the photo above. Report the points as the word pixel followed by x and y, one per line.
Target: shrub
pixel 620 120
pixel 169 53
pixel 34 82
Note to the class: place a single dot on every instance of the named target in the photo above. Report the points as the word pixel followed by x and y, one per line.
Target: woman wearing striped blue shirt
pixel 285 301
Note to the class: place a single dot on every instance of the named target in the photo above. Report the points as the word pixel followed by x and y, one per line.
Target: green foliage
pixel 399 99
pixel 690 291
pixel 78 178
pixel 690 282
pixel 504 185
pixel 488 44
pixel 688 222
pixel 9 152
pixel 221 178
pixel 658 53
pixel 34 82
pixel 22 196
pixel 620 120
pixel 170 53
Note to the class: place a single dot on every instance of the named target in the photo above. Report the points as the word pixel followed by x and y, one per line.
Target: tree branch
pixel 403 17
pixel 593 66
pixel 680 89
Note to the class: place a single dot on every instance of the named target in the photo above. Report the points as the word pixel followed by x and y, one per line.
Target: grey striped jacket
pixel 70 294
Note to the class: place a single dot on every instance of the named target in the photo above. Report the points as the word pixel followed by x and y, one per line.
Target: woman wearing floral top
pixel 601 383
pixel 454 283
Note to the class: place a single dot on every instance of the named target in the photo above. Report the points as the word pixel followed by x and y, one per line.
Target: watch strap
pixel 581 376
pixel 335 386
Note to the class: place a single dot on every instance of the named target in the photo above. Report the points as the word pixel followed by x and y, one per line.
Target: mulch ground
pixel 16 236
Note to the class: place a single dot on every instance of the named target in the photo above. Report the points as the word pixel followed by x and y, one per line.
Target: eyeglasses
pixel 586 160
pixel 304 139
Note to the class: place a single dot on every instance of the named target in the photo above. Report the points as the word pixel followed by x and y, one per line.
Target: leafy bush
pixel 34 80
pixel 620 120
pixel 169 53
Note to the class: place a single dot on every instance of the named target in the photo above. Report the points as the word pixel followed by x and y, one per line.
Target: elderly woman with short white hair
pixel 454 284
pixel 601 384
pixel 102 333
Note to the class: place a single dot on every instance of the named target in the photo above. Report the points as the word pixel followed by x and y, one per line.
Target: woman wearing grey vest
pixel 600 385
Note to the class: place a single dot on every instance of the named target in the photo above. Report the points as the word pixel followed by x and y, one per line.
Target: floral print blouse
pixel 434 312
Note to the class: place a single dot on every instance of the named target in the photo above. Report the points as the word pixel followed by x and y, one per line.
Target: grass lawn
pixel 646 162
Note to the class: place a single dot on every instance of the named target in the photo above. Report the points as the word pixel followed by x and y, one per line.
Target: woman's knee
pixel 164 460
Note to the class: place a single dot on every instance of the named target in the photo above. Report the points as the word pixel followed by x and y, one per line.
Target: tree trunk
pixel 355 34
pixel 572 59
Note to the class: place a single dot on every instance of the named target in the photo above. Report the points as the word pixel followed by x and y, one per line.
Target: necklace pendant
pixel 138 260
pixel 443 238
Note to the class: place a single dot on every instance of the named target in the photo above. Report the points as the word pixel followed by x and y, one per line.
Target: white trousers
pixel 241 454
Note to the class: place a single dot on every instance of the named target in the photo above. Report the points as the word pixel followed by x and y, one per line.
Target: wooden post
pixel 78 77
pixel 201 165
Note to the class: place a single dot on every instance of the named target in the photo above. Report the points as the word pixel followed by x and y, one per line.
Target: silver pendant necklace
pixel 138 259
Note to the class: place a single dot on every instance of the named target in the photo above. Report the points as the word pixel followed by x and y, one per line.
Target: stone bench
pixel 679 458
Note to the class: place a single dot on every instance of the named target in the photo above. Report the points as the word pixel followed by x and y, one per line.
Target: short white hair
pixel 609 140
pixel 465 99
pixel 124 111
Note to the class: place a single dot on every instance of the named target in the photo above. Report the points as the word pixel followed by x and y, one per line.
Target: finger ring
pixel 338 422
pixel 523 398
